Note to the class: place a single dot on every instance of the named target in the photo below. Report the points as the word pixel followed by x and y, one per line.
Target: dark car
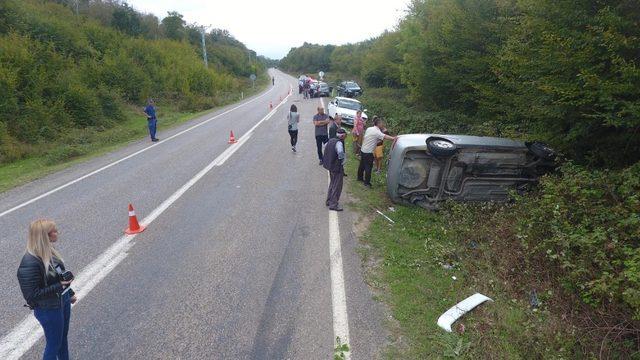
pixel 349 89
pixel 322 89
pixel 425 169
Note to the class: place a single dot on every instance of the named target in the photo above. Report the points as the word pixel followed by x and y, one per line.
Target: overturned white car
pixel 425 169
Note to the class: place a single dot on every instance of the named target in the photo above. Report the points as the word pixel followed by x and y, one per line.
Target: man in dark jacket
pixel 334 159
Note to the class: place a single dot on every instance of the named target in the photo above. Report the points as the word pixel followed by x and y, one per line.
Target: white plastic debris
pixel 385 216
pixel 457 311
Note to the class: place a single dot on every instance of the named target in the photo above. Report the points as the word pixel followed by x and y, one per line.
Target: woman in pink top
pixel 357 132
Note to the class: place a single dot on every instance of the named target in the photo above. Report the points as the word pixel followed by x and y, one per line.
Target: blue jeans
pixel 321 139
pixel 55 323
pixel 152 127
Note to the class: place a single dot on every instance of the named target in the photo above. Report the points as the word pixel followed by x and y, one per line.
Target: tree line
pixel 565 72
pixel 65 65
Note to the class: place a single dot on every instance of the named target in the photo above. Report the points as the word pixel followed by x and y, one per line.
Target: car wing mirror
pixel 365 110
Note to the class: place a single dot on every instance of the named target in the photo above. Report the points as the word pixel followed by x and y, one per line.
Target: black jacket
pixel 38 290
pixel 330 159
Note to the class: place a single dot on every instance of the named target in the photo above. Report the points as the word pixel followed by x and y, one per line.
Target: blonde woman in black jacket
pixel 41 275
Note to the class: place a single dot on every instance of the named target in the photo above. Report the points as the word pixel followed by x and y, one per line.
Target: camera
pixel 66 276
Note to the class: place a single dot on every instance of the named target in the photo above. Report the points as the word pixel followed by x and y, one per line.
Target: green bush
pixel 60 72
pixel 64 153
pixel 587 223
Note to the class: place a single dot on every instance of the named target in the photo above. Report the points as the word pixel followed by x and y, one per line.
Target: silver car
pixel 425 169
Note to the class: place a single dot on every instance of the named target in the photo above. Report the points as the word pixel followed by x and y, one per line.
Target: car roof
pixel 346 98
pixel 461 140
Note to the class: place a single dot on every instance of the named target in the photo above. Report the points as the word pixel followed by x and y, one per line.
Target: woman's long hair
pixel 39 245
pixel 293 108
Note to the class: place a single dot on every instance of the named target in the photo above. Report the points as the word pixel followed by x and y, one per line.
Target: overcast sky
pixel 273 27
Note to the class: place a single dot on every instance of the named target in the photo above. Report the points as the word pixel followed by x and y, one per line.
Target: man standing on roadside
pixel 320 120
pixel 335 158
pixel 371 138
pixel 150 111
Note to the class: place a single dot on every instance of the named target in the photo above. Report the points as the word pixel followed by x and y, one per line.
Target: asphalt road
pixel 237 267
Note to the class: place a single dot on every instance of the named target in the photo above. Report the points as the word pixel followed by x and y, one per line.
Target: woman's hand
pixel 73 299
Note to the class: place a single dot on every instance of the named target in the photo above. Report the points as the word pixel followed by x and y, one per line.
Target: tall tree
pixel 127 20
pixel 173 26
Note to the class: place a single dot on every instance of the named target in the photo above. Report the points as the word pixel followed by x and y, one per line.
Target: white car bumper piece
pixel 457 311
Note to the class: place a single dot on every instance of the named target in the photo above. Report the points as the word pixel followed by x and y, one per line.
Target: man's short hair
pixel 377 120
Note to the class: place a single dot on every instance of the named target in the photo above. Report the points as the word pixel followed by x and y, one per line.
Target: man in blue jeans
pixel 150 111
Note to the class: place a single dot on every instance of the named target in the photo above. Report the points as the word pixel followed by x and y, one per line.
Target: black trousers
pixel 321 139
pixel 294 137
pixel 335 188
pixel 366 164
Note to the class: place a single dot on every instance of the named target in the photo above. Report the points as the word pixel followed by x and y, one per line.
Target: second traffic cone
pixel 232 139
pixel 134 227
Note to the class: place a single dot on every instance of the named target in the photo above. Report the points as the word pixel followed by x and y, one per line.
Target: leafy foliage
pixel 62 71
pixel 587 223
pixel 564 72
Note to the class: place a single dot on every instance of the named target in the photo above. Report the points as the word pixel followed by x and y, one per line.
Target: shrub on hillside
pixel 587 225
pixel 60 72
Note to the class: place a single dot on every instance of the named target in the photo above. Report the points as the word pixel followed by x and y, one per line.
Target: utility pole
pixel 204 47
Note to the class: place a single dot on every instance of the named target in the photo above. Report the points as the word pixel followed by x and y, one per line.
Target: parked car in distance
pixel 347 108
pixel 322 89
pixel 425 169
pixel 349 89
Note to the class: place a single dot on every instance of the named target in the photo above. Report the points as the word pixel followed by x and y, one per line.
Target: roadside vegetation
pixel 73 83
pixel 562 262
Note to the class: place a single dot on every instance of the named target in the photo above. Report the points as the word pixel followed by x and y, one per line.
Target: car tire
pixel 541 150
pixel 441 147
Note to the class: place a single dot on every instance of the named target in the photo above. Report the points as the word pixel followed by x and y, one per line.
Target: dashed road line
pixel 31 201
pixel 17 342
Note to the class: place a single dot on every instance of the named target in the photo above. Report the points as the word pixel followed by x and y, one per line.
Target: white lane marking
pixel 338 293
pixel 17 342
pixel 127 157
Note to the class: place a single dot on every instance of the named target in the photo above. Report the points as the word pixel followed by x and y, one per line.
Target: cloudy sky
pixel 273 27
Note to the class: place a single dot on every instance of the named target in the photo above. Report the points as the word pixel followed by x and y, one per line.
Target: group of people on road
pixel 330 135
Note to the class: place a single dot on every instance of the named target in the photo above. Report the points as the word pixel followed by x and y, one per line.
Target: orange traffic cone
pixel 232 139
pixel 134 227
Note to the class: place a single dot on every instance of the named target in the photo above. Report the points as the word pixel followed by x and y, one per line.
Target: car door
pixel 332 107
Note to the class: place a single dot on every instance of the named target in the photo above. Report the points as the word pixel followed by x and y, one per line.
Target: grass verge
pixel 424 265
pixel 82 144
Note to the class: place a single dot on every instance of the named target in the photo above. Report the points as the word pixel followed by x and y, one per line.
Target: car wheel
pixel 441 147
pixel 541 150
